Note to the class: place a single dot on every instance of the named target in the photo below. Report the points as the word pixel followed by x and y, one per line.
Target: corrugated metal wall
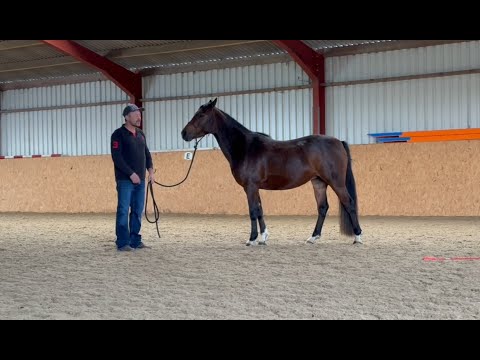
pixel 430 59
pixel 449 102
pixel 282 114
pixel 249 94
pixel 82 130
pixel 424 104
pixel 71 94
pixel 86 130
pixel 255 77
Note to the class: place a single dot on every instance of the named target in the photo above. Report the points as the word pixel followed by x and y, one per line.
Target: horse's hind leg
pixel 349 206
pixel 320 189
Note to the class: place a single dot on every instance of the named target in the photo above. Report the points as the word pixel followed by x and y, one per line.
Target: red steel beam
pixel 313 63
pixel 128 81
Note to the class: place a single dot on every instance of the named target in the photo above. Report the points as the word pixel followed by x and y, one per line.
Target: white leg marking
pixel 264 238
pixel 313 239
pixel 358 239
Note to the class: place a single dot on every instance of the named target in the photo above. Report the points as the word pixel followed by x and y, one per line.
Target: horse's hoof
pixel 262 243
pixel 313 240
pixel 358 240
pixel 251 243
pixel 265 237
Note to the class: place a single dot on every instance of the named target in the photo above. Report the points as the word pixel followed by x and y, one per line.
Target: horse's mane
pixel 238 124
pixel 260 133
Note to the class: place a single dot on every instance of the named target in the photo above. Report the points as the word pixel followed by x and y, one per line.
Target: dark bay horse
pixel 259 162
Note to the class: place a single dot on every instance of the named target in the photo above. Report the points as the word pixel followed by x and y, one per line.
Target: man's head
pixel 132 114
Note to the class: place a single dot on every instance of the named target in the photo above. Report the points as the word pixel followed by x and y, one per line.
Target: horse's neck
pixel 232 138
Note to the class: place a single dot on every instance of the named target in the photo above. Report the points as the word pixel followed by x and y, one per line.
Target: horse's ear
pixel 213 102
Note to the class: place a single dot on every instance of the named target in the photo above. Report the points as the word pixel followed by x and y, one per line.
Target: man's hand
pixel 151 176
pixel 135 178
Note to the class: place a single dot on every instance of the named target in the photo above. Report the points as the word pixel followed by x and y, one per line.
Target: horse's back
pixel 303 142
pixel 309 147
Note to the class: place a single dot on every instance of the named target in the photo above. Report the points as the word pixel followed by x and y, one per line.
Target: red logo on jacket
pixel 116 145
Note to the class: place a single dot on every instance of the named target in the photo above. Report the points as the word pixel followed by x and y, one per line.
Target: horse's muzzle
pixel 184 135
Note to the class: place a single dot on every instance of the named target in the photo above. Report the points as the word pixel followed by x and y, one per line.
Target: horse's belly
pixel 276 182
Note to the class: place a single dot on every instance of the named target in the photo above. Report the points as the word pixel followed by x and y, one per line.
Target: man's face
pixel 134 118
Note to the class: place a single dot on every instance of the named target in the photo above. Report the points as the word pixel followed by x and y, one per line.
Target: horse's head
pixel 202 122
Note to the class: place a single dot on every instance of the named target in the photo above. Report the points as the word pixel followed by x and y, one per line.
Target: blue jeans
pixel 129 196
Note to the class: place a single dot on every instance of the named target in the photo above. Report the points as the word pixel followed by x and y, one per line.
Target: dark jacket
pixel 130 153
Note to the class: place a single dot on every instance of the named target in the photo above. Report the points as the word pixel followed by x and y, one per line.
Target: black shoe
pixel 125 248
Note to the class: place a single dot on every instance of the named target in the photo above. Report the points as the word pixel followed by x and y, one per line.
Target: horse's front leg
pixel 254 211
pixel 261 222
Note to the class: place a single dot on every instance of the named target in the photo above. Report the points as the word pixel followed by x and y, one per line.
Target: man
pixel 131 158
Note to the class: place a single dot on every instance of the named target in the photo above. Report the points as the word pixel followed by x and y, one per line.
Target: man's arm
pixel 149 158
pixel 116 149
pixel 149 164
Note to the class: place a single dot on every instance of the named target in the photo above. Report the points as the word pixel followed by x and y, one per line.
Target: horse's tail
pixel 346 226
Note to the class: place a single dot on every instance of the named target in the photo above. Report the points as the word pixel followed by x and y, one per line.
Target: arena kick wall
pixel 398 179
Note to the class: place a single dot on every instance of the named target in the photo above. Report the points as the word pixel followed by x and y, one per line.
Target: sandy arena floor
pixel 67 267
